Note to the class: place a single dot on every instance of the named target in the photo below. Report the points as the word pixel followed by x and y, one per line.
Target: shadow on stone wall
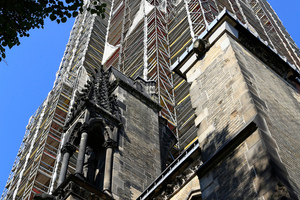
pixel 229 175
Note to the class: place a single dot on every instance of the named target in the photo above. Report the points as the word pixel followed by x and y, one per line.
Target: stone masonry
pixel 137 162
pixel 242 110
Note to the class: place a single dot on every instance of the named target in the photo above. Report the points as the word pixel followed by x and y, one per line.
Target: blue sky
pixel 30 71
pixel 25 82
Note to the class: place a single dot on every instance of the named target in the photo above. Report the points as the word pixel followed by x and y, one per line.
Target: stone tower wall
pixel 241 108
pixel 136 163
pixel 279 104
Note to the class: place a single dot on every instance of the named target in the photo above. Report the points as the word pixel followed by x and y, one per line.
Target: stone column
pixel 109 145
pixel 67 152
pixel 81 153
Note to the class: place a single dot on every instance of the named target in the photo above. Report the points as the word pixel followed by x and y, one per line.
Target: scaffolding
pixel 140 38
pixel 148 41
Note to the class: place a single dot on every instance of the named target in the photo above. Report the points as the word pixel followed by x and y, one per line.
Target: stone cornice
pixel 129 85
pixel 228 23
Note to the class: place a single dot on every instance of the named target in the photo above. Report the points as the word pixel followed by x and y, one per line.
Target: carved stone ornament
pixel 179 181
pixel 73 188
pixel 81 191
pixel 84 128
pixel 110 143
pixel 200 46
pixel 96 93
pixel 68 147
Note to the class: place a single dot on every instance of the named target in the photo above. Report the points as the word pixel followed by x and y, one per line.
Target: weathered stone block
pixel 201 116
pixel 264 183
pixel 208 191
pixel 248 112
pixel 236 77
pixel 238 81
pixel 204 131
pixel 253 139
pixel 195 87
pixel 193 74
pixel 199 99
pixel 206 181
pixel 256 152
pixel 225 44
pixel 240 91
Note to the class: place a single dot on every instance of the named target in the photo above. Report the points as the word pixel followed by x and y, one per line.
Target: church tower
pixel 168 99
